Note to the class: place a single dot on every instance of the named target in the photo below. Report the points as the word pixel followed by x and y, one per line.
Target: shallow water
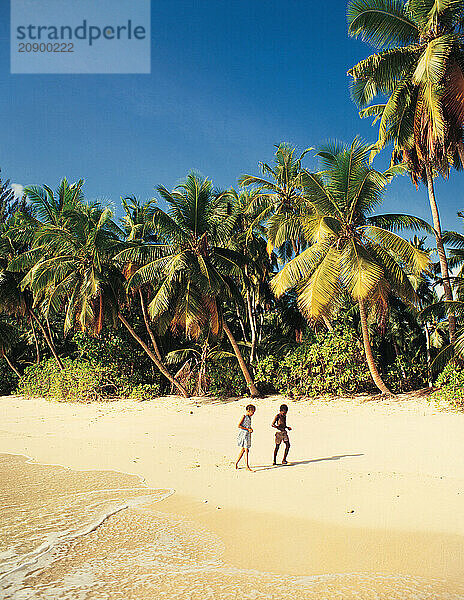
pixel 56 541
pixel 43 507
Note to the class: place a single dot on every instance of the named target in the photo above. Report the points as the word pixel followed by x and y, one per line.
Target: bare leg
pixel 247 450
pixel 287 448
pixel 275 453
pixel 242 452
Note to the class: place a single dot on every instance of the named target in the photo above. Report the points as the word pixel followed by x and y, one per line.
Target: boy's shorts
pixel 281 436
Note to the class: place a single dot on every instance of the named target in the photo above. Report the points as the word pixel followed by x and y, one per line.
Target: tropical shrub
pixel 225 379
pixel 85 380
pixel 113 350
pixel 406 374
pixel 266 374
pixel 451 386
pixel 111 347
pixel 8 379
pixel 333 365
pixel 79 380
pixel 145 391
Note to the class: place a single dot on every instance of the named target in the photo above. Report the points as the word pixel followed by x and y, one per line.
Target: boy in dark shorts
pixel 280 423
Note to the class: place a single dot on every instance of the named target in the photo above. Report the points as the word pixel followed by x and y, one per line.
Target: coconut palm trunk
pixel 368 350
pixel 11 365
pixel 251 318
pixel 47 338
pixel 327 323
pixel 147 325
pixel 246 373
pixel 441 252
pixel 154 358
pixel 429 357
pixel 242 324
pixel 202 369
pixel 37 350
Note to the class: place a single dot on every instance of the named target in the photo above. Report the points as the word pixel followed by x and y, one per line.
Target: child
pixel 244 435
pixel 280 423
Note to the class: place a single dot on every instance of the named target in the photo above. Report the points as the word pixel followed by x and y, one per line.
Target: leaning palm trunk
pixel 246 373
pixel 37 350
pixel 327 323
pixel 240 320
pixel 441 253
pixel 202 370
pixel 368 350
pixel 251 318
pixel 147 325
pixel 429 358
pixel 153 357
pixel 11 365
pixel 47 338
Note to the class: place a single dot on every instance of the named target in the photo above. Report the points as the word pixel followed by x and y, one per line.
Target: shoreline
pixel 419 528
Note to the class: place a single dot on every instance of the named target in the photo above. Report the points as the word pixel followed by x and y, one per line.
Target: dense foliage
pixel 78 380
pixel 8 379
pixel 331 363
pixel 451 386
pixel 93 310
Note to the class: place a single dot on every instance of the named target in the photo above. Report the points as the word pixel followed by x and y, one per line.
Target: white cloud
pixel 18 189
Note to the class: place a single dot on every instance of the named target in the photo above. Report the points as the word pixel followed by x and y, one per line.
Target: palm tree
pixel 12 300
pixel 280 201
pixel 192 266
pixel 19 303
pixel 9 204
pixel 249 240
pixel 75 272
pixel 42 207
pixel 138 227
pixel 420 69
pixel 200 355
pixel 350 249
pixel 435 328
pixel 65 267
pixel 434 311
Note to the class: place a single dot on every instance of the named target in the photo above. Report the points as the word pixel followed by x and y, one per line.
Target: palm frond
pixel 381 22
pixel 399 222
pixel 431 65
pixel 415 259
pixel 317 293
pixel 299 268
pixel 360 273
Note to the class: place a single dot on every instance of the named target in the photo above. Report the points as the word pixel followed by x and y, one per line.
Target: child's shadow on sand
pixel 304 462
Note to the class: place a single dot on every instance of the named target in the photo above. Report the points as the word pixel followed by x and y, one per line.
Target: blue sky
pixel 229 80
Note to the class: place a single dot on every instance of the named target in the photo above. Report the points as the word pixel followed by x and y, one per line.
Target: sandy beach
pixel 373 486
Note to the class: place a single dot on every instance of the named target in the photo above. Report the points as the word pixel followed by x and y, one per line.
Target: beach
pixel 370 506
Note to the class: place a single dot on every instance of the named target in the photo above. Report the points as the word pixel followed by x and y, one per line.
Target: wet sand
pixel 295 546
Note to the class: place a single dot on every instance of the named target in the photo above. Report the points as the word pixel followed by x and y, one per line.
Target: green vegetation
pixel 331 363
pixel 451 386
pixel 351 251
pixel 77 380
pixel 297 282
pixel 419 69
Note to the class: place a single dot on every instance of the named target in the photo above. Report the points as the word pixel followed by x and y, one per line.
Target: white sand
pixel 393 466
